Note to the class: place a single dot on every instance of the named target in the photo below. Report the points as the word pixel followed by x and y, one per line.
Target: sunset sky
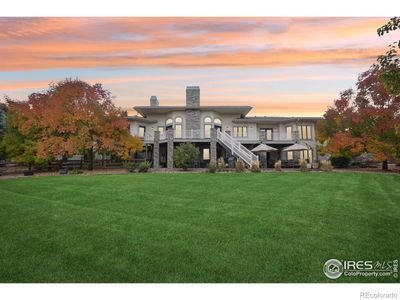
pixel 280 66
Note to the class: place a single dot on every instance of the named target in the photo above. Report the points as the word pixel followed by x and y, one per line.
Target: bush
pixel 340 161
pixel 186 156
pixel 255 167
pixel 212 168
pixel 129 166
pixel 240 166
pixel 76 171
pixel 144 167
pixel 278 166
pixel 221 165
pixel 326 166
pixel 303 165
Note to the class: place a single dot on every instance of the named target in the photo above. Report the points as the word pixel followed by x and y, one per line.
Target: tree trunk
pixel 385 165
pixel 91 159
pixel 30 166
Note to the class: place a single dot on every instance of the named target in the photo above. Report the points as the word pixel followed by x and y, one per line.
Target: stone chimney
pixel 193 110
pixel 192 97
pixel 153 101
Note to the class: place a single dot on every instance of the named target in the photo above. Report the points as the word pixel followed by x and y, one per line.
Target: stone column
pixel 213 146
pixel 170 148
pixel 156 150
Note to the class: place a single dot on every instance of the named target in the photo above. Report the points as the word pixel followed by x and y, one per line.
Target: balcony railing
pixel 199 134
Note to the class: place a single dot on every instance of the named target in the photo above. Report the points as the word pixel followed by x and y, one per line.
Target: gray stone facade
pixel 192 97
pixel 170 149
pixel 193 118
pixel 156 150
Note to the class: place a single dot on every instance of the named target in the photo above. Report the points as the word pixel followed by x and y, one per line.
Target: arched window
pixel 168 124
pixel 178 127
pixel 207 127
pixel 218 124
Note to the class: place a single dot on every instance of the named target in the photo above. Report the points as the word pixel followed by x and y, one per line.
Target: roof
pixel 140 119
pixel 160 110
pixel 263 148
pixel 273 120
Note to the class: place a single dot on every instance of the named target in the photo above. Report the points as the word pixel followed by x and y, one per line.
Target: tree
pixel 19 142
pixel 389 63
pixel 365 120
pixel 186 156
pixel 74 117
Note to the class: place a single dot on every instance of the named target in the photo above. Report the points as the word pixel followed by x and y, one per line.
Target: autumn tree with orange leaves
pixel 74 117
pixel 365 120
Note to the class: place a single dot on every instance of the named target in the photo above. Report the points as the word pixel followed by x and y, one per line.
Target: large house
pixel 219 131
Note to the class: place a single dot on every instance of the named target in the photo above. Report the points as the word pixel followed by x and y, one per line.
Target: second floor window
pixel 207 127
pixel 161 129
pixel 304 132
pixel 178 127
pixel 240 131
pixel 288 132
pixel 268 133
pixel 142 131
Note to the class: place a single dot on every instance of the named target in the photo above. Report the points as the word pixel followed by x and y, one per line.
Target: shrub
pixel 76 171
pixel 186 156
pixel 340 161
pixel 144 167
pixel 303 165
pixel 326 166
pixel 255 167
pixel 212 168
pixel 278 166
pixel 221 165
pixel 240 166
pixel 129 166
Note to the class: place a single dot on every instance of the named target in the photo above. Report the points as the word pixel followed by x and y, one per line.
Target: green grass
pixel 268 227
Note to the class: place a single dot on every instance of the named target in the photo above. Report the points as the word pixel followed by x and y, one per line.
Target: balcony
pixel 199 135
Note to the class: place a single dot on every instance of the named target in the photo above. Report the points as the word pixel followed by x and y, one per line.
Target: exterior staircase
pixel 236 148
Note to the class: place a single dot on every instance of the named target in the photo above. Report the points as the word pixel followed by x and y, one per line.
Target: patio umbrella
pixel 295 147
pixel 263 148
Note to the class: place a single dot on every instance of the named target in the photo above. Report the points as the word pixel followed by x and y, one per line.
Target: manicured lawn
pixel 270 227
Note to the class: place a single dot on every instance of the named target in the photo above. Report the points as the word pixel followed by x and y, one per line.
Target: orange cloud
pixel 44 43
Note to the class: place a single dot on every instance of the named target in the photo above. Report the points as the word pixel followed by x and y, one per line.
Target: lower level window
pixel 289 155
pixel 306 154
pixel 206 154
